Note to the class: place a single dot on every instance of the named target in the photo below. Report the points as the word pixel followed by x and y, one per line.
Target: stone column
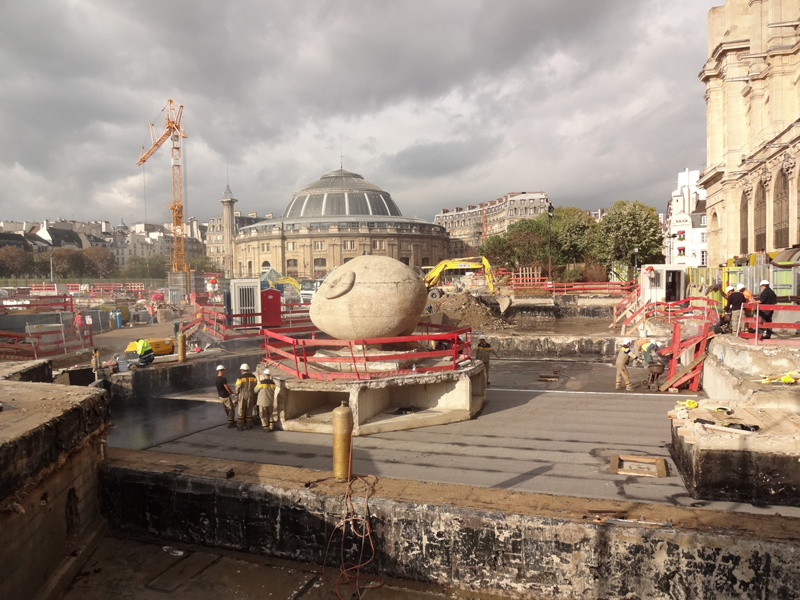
pixel 228 232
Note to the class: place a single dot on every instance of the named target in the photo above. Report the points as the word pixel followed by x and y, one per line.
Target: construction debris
pixel 465 310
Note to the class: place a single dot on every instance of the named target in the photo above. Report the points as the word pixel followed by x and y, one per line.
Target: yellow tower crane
pixel 173 129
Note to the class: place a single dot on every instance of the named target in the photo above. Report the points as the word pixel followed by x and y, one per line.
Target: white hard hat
pixel 220 368
pixel 729 288
pixel 658 344
pixel 483 337
pixel 626 341
pixel 764 282
pixel 244 367
pixel 739 286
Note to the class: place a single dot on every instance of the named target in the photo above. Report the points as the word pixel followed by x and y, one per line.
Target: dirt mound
pixel 465 310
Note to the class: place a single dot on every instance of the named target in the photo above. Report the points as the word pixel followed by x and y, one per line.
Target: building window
pixel 703 220
pixel 377 245
pixel 681 251
pixel 405 260
pixel 760 219
pixel 291 246
pixel 291 263
pixel 681 236
pixel 320 264
pixel 743 226
pixel 703 237
pixel 265 266
pixel 426 262
pixel 780 211
pixel 703 258
pixel 319 245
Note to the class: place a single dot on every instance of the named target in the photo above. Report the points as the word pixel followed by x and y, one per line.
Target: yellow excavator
pixel 434 276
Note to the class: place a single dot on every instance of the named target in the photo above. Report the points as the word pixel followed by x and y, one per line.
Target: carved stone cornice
pixel 789 163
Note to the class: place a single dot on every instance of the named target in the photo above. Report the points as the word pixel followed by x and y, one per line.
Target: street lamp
pixel 545 203
pixel 635 257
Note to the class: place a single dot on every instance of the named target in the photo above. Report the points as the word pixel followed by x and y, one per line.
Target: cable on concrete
pixel 350 572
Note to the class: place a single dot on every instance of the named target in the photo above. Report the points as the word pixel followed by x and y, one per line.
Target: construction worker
pixel 734 307
pixel 638 345
pixel 748 297
pixel 649 352
pixel 266 401
pixel 770 298
pixel 225 394
pixel 96 368
pixel 145 353
pixel 623 358
pixel 482 353
pixel 246 391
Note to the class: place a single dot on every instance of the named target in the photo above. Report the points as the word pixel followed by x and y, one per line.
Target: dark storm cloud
pixel 589 100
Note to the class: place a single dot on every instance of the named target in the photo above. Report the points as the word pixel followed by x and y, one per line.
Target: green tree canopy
pixel 628 225
pixel 571 240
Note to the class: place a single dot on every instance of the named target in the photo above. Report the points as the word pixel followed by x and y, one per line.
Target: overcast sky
pixel 441 103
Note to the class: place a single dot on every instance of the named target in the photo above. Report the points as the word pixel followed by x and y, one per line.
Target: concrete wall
pixel 728 385
pixel 461 536
pixel 156 380
pixel 554 346
pixel 42 536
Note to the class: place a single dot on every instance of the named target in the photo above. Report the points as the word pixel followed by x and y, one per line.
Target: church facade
pixel 753 128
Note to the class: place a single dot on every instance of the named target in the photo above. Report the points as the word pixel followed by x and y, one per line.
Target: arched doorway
pixel 744 225
pixel 265 266
pixel 780 211
pixel 760 219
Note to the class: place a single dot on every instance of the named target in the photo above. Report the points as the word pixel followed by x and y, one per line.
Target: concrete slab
pixel 128 569
pixel 553 438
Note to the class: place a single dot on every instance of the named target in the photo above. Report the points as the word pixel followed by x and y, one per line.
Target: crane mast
pixel 173 129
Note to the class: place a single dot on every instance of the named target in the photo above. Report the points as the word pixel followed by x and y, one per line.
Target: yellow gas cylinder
pixel 181 347
pixel 342 441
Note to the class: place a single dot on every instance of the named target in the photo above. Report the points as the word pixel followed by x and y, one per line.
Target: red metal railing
pixel 282 344
pixel 38 304
pixel 244 325
pixel 38 344
pixel 582 287
pixel 757 323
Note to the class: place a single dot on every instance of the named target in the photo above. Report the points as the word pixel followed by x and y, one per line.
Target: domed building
pixel 331 221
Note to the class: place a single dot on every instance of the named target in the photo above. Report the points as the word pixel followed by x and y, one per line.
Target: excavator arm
pixel 433 276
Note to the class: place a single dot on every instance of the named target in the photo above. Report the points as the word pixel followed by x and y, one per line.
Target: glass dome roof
pixel 341 193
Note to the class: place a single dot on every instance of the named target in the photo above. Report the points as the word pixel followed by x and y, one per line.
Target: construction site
pixel 392 465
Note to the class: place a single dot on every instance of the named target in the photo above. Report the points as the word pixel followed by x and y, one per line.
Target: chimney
pixel 252 214
pixel 445 211
pixel 470 207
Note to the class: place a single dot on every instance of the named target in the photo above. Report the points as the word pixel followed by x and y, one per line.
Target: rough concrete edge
pixel 744 525
pixel 57 583
pixel 33 481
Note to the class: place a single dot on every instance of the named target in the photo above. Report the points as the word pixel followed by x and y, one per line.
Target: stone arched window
pixel 249 268
pixel 780 211
pixel 291 263
pixel 743 226
pixel 760 219
pixel 320 263
pixel 265 266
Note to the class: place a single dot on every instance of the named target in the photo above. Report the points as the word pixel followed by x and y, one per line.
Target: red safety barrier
pixel 591 287
pixel 212 319
pixel 283 344
pixel 757 323
pixel 37 304
pixel 38 344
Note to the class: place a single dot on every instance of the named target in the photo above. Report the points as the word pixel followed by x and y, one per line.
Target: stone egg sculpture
pixel 369 297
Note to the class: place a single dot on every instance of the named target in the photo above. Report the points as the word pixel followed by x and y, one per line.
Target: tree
pixel 157 267
pixel 203 263
pixel 628 225
pixel 70 263
pixel 571 240
pixel 136 268
pixel 101 261
pixel 15 261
